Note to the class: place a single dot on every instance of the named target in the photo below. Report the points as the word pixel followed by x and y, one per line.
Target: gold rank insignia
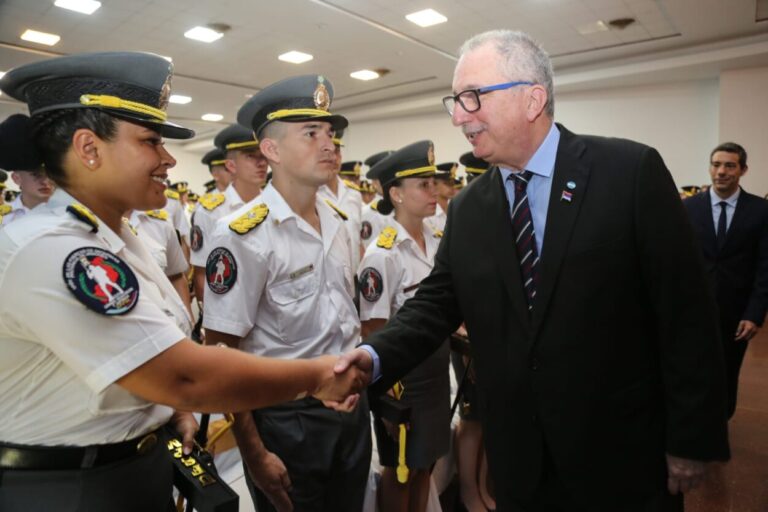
pixel 250 219
pixel 171 194
pixel 5 209
pixel 84 215
pixel 351 185
pixel 337 209
pixel 157 214
pixel 438 233
pixel 374 205
pixel 130 226
pixel 387 238
pixel 212 201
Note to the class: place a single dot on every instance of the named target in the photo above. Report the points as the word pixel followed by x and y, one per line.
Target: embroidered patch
pixel 195 238
pixel 220 270
pixel 371 284
pixel 366 230
pixel 101 281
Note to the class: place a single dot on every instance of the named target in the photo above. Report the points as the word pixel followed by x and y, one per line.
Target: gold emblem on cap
pixel 165 90
pixel 431 155
pixel 321 96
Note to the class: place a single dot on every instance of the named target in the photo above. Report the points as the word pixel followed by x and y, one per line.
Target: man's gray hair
pixel 522 59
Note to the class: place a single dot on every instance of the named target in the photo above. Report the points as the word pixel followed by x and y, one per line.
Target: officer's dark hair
pixel 53 132
pixel 731 147
pixel 385 206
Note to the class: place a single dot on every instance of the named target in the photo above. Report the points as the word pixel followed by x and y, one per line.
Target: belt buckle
pixel 146 443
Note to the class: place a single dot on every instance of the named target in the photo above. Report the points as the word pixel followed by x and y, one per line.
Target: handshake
pixel 342 378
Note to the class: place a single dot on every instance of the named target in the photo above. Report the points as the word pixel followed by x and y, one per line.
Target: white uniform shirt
pixel 292 297
pixel 161 240
pixel 350 202
pixel 437 221
pixel 388 277
pixel 175 210
pixel 18 210
pixel 373 222
pixel 60 360
pixel 205 220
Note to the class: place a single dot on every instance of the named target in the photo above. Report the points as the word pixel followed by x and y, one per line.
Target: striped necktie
pixel 525 237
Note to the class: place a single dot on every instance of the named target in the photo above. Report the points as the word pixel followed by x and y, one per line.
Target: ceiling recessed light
pixel 40 37
pixel 179 99
pixel 364 74
pixel 203 34
pixel 212 117
pixel 83 6
pixel 426 18
pixel 295 57
pixel 592 28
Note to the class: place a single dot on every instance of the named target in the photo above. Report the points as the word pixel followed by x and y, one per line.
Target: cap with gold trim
pixel 213 158
pixel 447 171
pixel 472 164
pixel 293 100
pixel 133 86
pixel 209 185
pixel 337 139
pixel 17 152
pixel 234 137
pixel 690 190
pixel 376 158
pixel 351 168
pixel 415 160
pixel 181 187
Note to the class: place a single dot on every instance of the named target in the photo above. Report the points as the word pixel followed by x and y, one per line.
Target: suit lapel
pixel 709 221
pixel 495 200
pixel 570 168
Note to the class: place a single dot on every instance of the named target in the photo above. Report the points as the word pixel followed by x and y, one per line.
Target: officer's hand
pixel 270 475
pixel 186 425
pixel 684 475
pixel 746 330
pixel 358 359
pixel 337 386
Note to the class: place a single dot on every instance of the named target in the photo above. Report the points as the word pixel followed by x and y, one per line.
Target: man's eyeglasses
pixel 470 99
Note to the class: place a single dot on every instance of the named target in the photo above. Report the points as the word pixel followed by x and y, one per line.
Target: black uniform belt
pixel 52 458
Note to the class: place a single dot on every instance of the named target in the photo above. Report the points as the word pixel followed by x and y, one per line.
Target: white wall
pixel 188 167
pixel 679 119
pixel 744 119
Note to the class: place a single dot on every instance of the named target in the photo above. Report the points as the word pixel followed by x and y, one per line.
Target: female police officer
pixel 391 271
pixel 94 359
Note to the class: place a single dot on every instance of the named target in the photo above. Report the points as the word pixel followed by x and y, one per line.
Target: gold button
pixel 147 443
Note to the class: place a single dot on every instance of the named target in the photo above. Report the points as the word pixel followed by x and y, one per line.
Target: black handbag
pixel 196 478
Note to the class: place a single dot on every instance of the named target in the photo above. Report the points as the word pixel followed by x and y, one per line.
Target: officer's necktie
pixel 722 225
pixel 525 238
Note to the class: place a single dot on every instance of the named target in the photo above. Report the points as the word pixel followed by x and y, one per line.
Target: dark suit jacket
pixel 739 272
pixel 620 361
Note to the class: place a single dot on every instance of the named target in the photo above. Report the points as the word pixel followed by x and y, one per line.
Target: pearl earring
pixel 91 162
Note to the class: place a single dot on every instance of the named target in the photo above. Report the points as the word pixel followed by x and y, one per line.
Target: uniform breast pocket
pixel 295 308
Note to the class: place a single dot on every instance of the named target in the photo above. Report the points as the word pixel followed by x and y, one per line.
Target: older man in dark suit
pixel 594 334
pixel 732 226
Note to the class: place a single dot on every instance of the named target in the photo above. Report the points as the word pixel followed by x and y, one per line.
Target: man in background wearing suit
pixel 732 226
pixel 599 369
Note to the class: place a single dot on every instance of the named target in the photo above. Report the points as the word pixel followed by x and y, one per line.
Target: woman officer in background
pixel 96 354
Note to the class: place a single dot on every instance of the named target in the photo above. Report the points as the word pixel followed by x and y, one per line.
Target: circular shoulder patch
pixel 371 284
pixel 366 230
pixel 220 270
pixel 195 238
pixel 101 281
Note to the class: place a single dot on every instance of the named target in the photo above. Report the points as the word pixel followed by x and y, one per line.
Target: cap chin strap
pixel 289 112
pixel 419 170
pixel 103 100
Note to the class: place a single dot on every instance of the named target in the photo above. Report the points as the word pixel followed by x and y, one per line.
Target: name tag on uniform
pixel 303 270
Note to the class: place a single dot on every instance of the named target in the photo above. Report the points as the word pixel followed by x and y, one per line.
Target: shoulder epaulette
pixel 352 185
pixel 374 204
pixel 84 215
pixel 5 209
pixel 337 209
pixel 191 207
pixel 130 226
pixel 157 214
pixel 249 220
pixel 387 237
pixel 212 201
pixel 171 194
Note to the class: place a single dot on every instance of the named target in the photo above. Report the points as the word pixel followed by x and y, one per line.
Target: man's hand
pixel 186 425
pixel 684 474
pixel 343 377
pixel 270 475
pixel 746 330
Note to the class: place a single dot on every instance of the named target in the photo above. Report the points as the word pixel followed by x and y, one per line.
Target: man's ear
pixel 537 100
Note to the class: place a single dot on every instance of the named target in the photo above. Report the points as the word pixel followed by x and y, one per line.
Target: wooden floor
pixel 741 485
